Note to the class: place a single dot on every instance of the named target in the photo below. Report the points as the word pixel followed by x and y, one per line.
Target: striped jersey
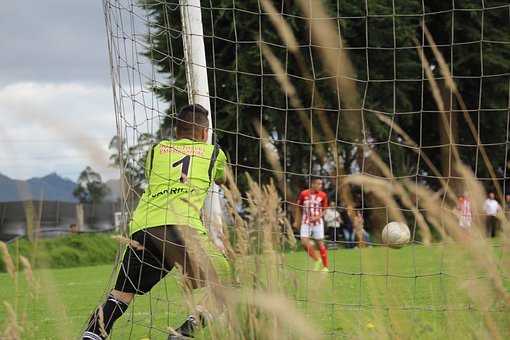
pixel 312 203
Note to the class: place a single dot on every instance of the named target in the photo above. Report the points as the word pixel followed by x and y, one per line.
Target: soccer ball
pixel 396 234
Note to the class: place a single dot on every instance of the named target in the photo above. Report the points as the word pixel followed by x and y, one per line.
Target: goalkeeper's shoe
pixel 186 330
pixel 178 337
pixel 325 270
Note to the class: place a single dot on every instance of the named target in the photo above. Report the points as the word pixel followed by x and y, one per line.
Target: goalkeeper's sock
pixel 324 255
pixel 112 310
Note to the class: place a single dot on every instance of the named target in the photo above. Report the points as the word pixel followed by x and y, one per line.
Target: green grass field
pixel 414 292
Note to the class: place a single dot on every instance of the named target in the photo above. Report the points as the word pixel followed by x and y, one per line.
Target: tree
pixel 132 159
pixel 244 90
pixel 90 188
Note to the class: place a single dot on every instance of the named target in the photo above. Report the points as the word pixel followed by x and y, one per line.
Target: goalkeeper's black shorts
pixel 163 248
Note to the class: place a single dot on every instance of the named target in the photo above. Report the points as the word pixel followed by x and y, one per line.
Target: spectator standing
pixel 353 228
pixel 73 228
pixel 464 210
pixel 333 221
pixel 359 228
pixel 491 208
pixel 348 228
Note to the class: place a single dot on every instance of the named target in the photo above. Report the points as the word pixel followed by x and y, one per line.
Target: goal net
pixel 400 107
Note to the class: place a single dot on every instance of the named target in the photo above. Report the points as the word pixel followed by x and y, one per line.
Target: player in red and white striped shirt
pixel 312 204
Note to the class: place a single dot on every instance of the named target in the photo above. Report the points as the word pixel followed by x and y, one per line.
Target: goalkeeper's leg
pixel 103 318
pixel 203 266
pixel 143 265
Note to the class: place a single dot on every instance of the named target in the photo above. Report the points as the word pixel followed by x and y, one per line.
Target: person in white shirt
pixel 333 221
pixel 491 208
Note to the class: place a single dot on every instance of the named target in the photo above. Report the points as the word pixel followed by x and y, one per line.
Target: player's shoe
pixel 178 337
pixel 325 270
pixel 317 266
pixel 186 330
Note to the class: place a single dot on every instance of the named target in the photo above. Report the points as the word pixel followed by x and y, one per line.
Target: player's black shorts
pixel 200 260
pixel 141 269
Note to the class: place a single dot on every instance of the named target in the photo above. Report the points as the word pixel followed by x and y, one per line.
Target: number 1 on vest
pixel 185 161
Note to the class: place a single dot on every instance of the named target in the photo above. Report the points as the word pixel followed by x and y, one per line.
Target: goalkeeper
pixel 166 229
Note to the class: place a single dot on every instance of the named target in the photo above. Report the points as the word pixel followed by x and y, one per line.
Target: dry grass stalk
pixel 13 330
pixel 415 147
pixel 271 154
pixel 291 92
pixel 334 55
pixel 55 304
pixel 479 249
pixel 256 263
pixel 345 88
pixel 29 275
pixel 283 320
pixel 328 40
pixel 234 199
pixel 382 189
pixel 127 241
pixel 434 213
pixel 102 328
pixel 436 93
pixel 284 30
pixel 265 210
pixel 47 285
pixel 258 260
pixel 287 36
pixel 295 102
pixel 483 255
pixel 405 196
pixel 9 264
pixel 445 72
pixel 475 249
pixel 330 43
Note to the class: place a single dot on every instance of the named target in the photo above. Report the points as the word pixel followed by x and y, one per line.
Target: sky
pixel 56 100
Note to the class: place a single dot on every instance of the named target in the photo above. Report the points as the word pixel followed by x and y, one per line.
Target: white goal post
pixel 198 93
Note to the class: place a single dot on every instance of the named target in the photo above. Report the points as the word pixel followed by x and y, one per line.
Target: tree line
pixel 383 42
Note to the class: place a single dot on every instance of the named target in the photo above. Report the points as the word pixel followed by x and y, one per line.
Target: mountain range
pixel 51 187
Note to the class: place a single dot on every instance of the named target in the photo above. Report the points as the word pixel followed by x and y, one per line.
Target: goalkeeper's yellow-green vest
pixel 179 174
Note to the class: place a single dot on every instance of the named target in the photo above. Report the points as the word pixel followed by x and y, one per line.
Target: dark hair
pixel 315 178
pixel 192 116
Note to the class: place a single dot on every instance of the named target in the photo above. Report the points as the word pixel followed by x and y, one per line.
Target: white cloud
pixel 60 127
pixel 53 41
pixel 56 101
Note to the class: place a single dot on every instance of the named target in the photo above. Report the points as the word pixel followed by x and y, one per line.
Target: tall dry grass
pixel 429 212
pixel 255 305
pixel 42 285
pixel 259 303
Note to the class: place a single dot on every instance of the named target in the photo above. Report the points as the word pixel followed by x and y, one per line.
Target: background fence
pixel 52 218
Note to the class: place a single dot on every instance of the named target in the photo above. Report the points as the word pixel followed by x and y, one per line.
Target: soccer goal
pixel 399 109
